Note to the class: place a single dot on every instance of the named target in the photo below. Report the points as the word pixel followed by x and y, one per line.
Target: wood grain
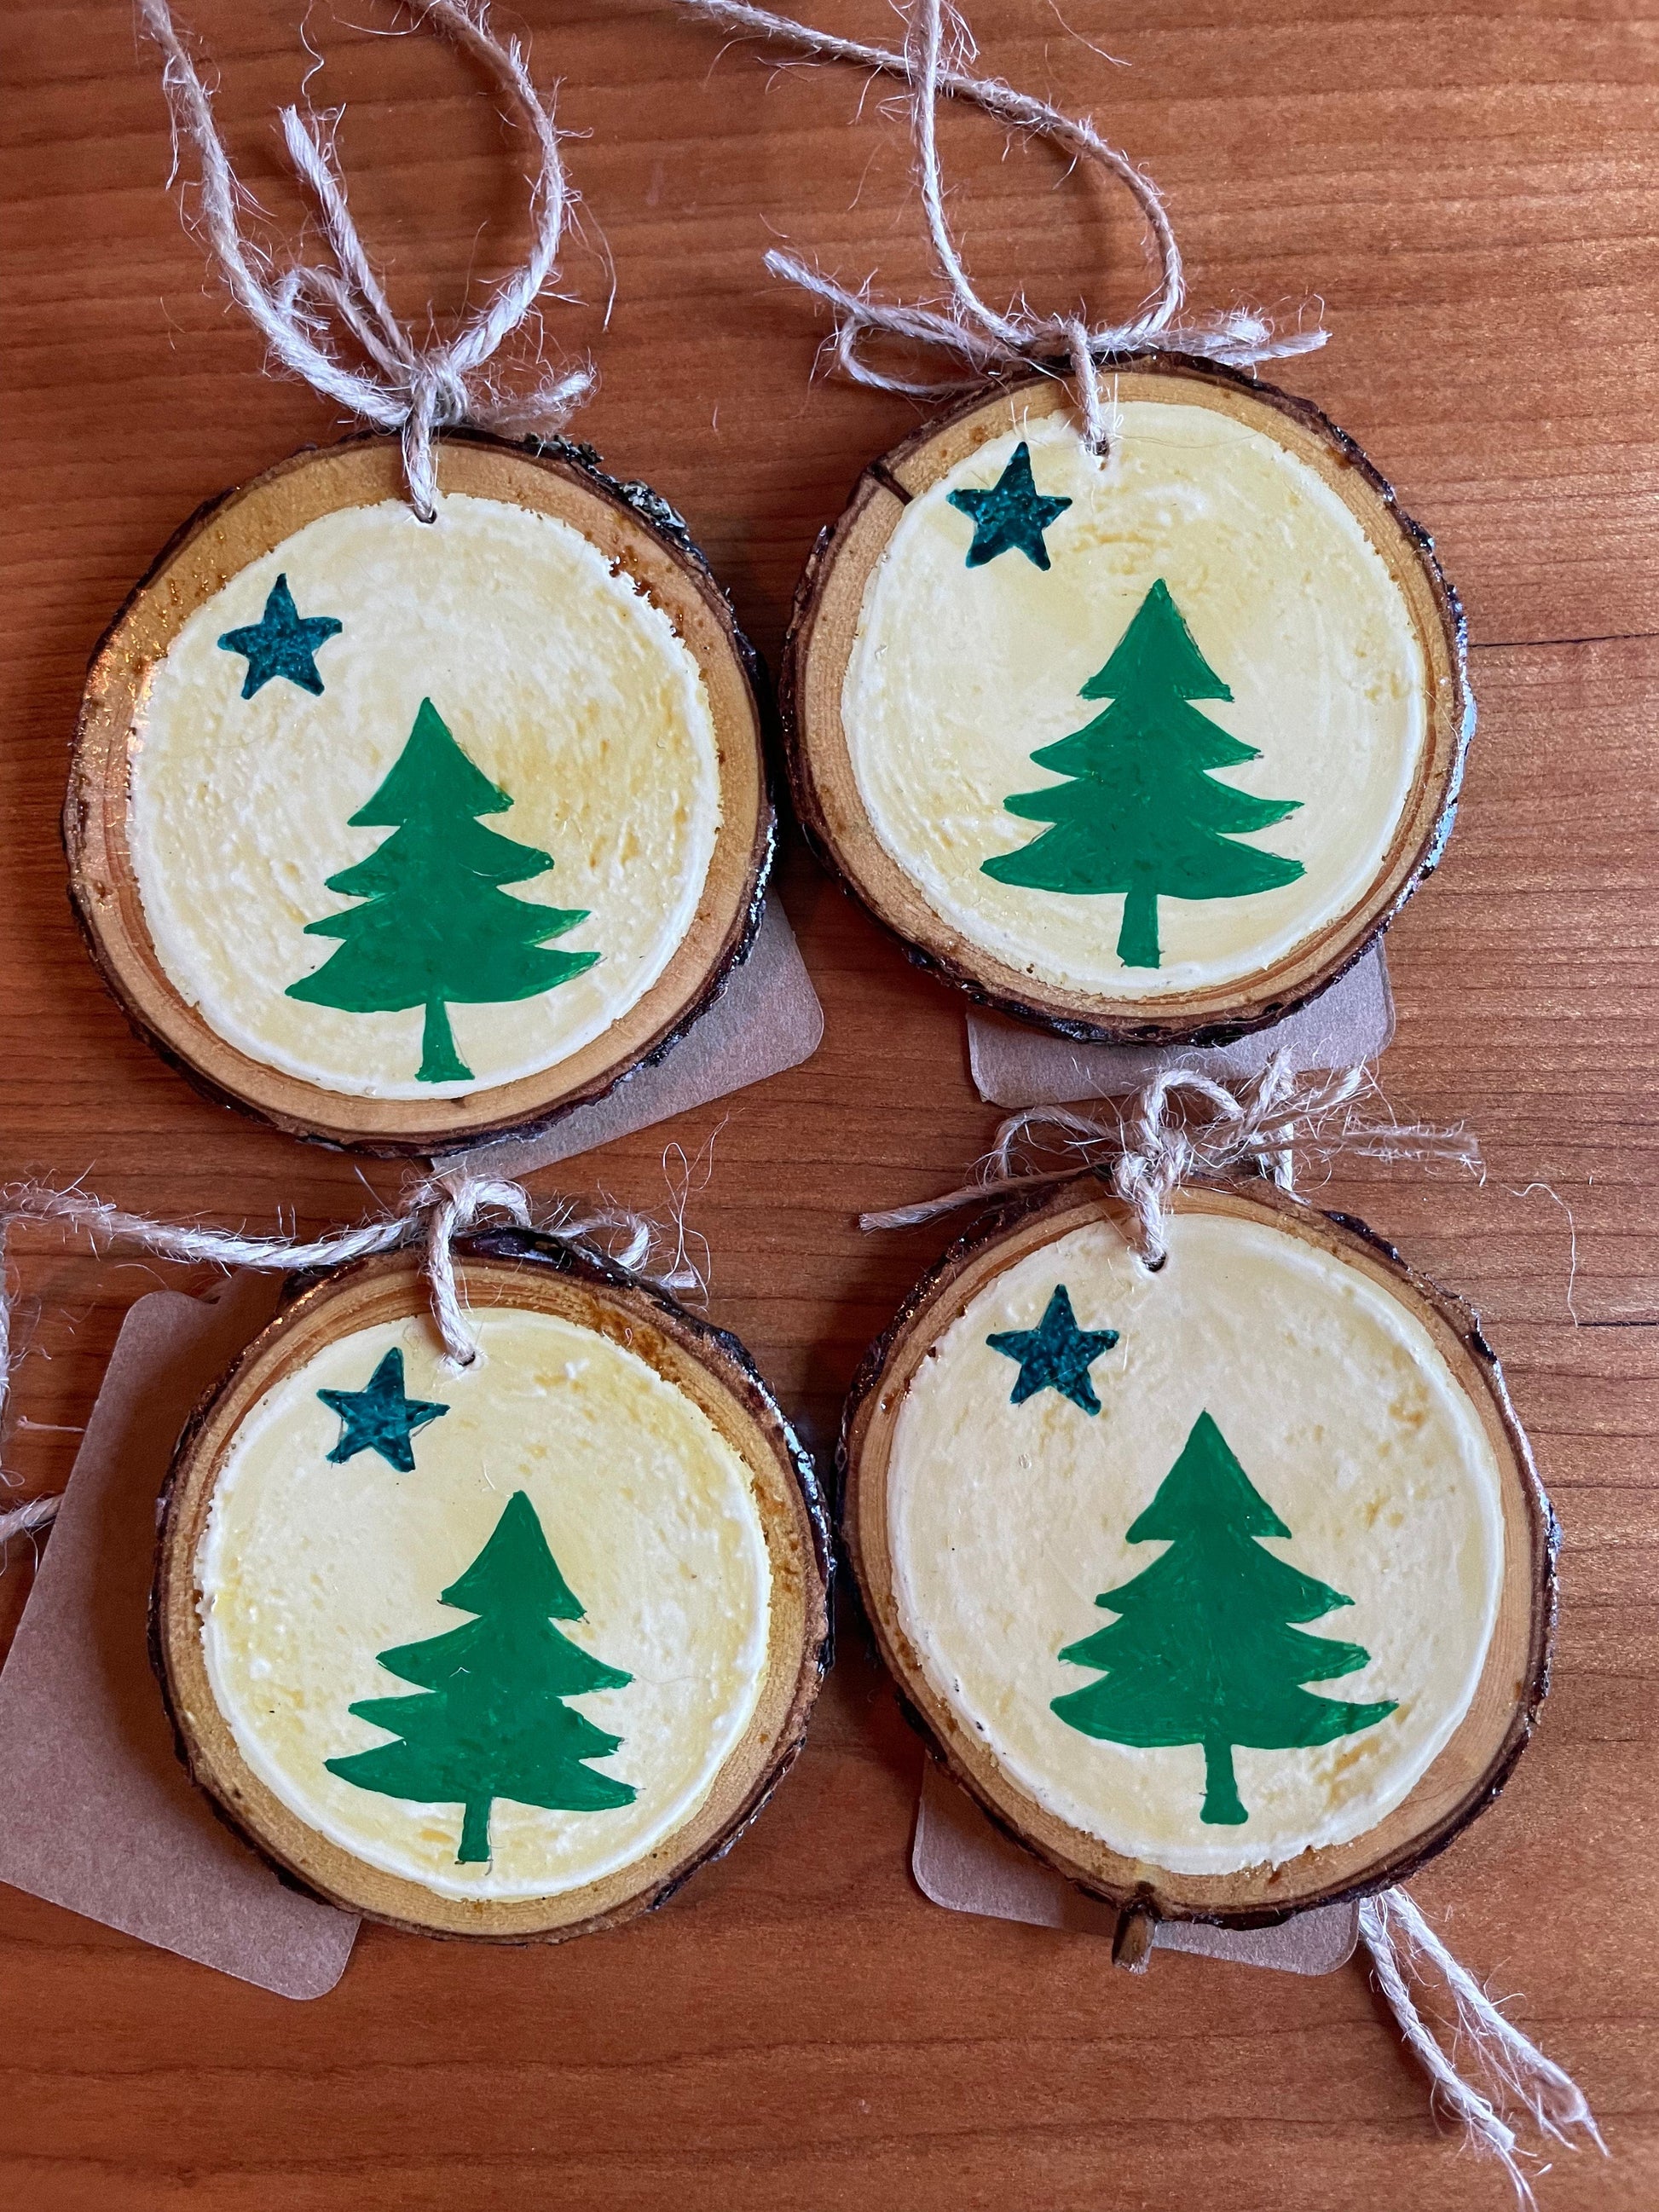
pixel 1475 195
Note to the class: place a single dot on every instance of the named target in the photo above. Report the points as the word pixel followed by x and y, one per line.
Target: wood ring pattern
pixel 637 533
pixel 1470 1770
pixel 824 627
pixel 515 1268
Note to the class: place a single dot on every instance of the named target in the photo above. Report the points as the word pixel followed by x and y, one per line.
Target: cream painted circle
pixel 958 675
pixel 557 677
pixel 1005 1523
pixel 308 1570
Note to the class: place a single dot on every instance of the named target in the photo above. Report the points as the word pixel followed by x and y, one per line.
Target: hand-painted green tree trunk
pixel 436 930
pixel 1201 1651
pixel 494 1723
pixel 1143 815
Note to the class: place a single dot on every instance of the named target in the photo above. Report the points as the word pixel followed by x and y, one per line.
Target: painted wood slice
pixel 506 1652
pixel 402 835
pixel 1226 1588
pixel 1146 749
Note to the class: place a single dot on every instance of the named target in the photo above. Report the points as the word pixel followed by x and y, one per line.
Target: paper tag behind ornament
pixel 962 1862
pixel 96 1811
pixel 1346 1026
pixel 767 1019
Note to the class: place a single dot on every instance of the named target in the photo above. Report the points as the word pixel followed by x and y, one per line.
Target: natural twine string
pixel 414 389
pixel 1277 1123
pixel 434 1213
pixel 1183 1128
pixel 937 47
pixel 25 1520
pixel 1521 2079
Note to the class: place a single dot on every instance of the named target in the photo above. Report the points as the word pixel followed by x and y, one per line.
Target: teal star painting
pixel 380 1417
pixel 1012 514
pixel 1055 1355
pixel 283 642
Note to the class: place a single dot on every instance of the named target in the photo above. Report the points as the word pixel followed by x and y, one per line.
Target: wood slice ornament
pixel 418 794
pixel 1227 1587
pixel 406 834
pixel 505 1651
pixel 1148 745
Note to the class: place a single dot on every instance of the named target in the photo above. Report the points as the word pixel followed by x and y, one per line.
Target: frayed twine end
pixel 1520 2080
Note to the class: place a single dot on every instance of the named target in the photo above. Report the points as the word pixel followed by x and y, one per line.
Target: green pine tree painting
pixel 494 1722
pixel 435 929
pixel 1143 816
pixel 1201 1651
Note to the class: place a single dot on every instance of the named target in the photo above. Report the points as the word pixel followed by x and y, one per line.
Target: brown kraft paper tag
pixel 96 1811
pixel 963 1862
pixel 1349 1025
pixel 767 1019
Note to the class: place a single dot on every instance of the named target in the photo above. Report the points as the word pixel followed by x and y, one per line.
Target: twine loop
pixel 932 62
pixel 1256 1126
pixel 312 316
pixel 449 1207
pixel 1184 1127
pixel 435 1211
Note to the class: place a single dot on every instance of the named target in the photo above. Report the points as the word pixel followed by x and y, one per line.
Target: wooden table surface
pixel 1472 192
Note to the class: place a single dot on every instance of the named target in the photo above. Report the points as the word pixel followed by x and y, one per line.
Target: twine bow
pixel 932 62
pixel 405 388
pixel 1275 1124
pixel 435 1211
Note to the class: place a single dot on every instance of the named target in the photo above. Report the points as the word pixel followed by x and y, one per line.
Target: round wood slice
pixel 974 695
pixel 634 537
pixel 1067 1491
pixel 312 1557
